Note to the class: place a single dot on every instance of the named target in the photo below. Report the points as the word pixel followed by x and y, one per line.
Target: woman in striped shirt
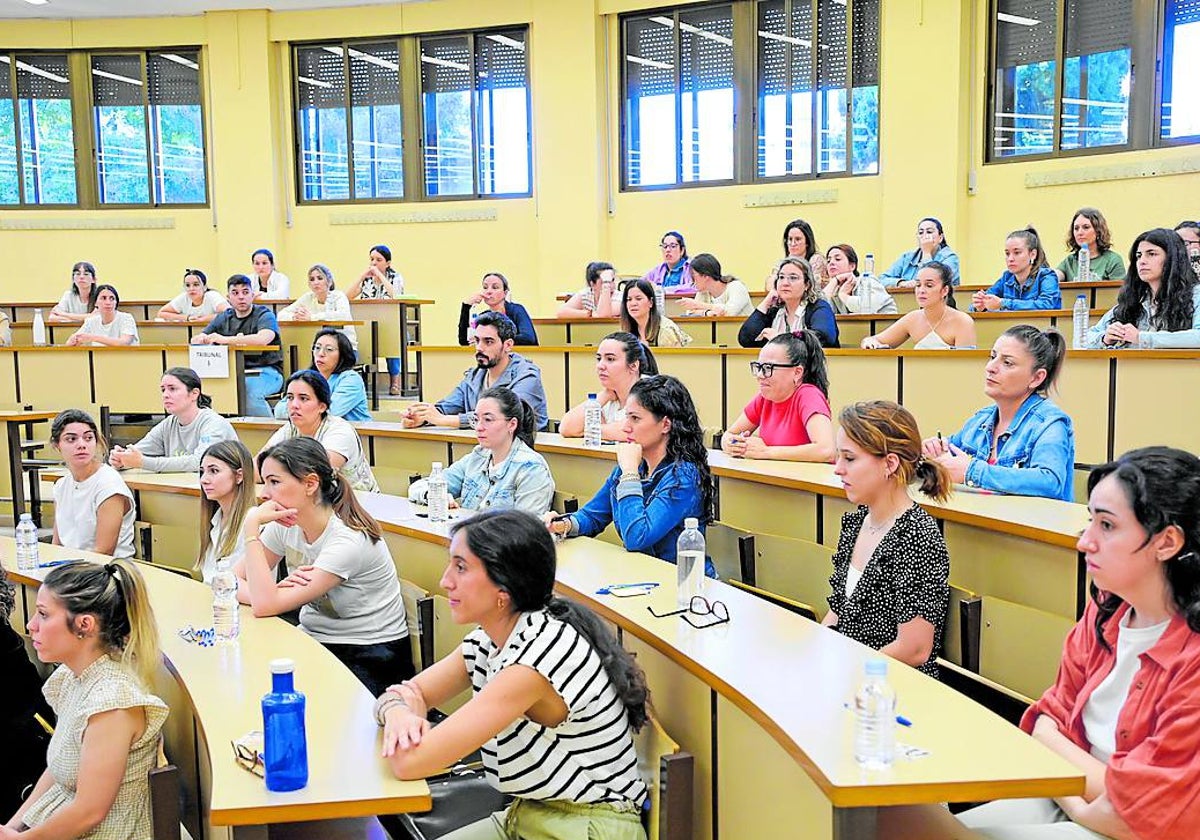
pixel 556 699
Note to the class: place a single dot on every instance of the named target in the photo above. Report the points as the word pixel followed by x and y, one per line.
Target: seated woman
pixel 794 303
pixel 1159 302
pixel 379 281
pixel 1022 444
pixel 227 493
pixel 1189 232
pixel 621 360
pixel 494 298
pixel 595 300
pixel 269 284
pixel 322 302
pixel 555 699
pixel 790 412
pixel 1089 229
pixel 79 301
pixel 308 400
pixel 503 470
pixel 5 330
pixel 197 303
pixel 661 478
pixel 934 325
pixel 888 585
pixel 675 271
pixel 851 293
pixel 640 316
pixel 1123 709
pixel 1028 283
pixel 333 358
pixel 25 753
pixel 107 327
pixel 931 247
pixel 180 438
pixel 717 294
pixel 93 507
pixel 800 242
pixel 96 620
pixel 346 587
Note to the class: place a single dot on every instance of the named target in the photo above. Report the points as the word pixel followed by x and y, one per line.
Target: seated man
pixel 247 322
pixel 496 365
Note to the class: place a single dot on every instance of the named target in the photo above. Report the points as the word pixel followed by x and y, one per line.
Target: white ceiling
pixel 160 8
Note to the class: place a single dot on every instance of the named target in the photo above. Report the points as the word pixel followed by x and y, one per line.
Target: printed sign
pixel 210 361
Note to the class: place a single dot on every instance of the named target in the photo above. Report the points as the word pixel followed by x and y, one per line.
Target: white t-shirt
pixel 72 303
pixel 1104 705
pixel 120 326
pixel 336 435
pixel 208 566
pixel 278 286
pixel 366 608
pixel 335 307
pixel 75 505
pixel 182 304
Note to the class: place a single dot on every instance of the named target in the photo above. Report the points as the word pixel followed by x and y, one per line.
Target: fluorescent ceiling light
pixel 367 57
pixel 506 41
pixel 116 78
pixel 649 62
pixel 786 39
pixel 313 82
pixel 1005 17
pixel 695 30
pixel 178 59
pixel 38 71
pixel 442 62
pixel 37 2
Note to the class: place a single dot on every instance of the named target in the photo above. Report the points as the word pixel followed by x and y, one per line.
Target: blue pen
pixel 49 564
pixel 607 590
pixel 900 719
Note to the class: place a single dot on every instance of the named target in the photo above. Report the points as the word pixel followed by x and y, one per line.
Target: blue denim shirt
pixel 1042 292
pixel 523 481
pixel 910 262
pixel 647 513
pixel 1035 457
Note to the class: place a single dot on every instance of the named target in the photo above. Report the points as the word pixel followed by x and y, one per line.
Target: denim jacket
pixel 910 262
pixel 1035 457
pixel 523 481
pixel 648 513
pixel 1042 291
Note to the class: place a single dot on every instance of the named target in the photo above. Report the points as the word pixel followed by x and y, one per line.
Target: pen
pixel 49 564
pixel 900 719
pixel 609 589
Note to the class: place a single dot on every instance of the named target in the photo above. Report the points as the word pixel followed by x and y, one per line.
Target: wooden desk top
pixel 162 322
pixel 131 348
pixel 347 776
pixel 20 415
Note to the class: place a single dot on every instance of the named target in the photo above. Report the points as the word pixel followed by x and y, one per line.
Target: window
pixel 812 76
pixel 147 136
pixel 1063 82
pixel 467 131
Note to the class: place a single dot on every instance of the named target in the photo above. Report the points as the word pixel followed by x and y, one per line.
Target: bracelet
pixel 385 704
pixel 248 540
pixel 625 476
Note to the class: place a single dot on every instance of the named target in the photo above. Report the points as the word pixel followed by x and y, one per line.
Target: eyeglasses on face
pixel 669 246
pixel 322 349
pixel 767 369
pixel 701 606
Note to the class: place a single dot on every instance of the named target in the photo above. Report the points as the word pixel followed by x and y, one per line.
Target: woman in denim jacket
pixel 503 470
pixel 1023 444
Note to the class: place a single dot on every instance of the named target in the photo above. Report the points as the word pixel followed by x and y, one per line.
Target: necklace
pixel 882 527
pixel 932 326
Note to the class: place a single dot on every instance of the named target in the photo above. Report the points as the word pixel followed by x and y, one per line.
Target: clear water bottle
pixel 27 544
pixel 875 718
pixel 285 745
pixel 592 433
pixel 1085 265
pixel 39 329
pixel 1079 322
pixel 689 559
pixel 438 496
pixel 869 265
pixel 471 328
pixel 226 616
pixel 660 298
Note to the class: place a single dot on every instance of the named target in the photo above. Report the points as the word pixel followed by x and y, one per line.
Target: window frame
pixel 84 129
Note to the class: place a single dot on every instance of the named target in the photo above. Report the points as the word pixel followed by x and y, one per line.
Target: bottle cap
pixel 282 666
pixel 1080 297
pixel 591 396
pixel 437 465
pixel 876 668
pixel 691 522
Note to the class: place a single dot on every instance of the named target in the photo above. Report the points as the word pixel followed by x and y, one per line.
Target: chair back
pixel 668 772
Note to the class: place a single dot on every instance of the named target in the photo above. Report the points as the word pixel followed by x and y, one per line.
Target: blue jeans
pixel 394 366
pixel 259 384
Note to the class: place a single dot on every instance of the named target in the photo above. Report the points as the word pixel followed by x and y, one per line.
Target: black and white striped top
pixel 587 758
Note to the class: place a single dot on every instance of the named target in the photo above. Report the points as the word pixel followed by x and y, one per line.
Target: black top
pixel 818 317
pixel 228 324
pixel 905 578
pixel 526 335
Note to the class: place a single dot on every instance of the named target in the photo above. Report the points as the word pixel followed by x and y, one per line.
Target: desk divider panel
pixel 1155 402
pixel 129 378
pixel 53 378
pixel 767 509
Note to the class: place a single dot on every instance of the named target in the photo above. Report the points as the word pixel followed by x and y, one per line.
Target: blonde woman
pixel 227 492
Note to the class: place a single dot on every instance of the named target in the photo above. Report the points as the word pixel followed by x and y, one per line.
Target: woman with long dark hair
pixel 640 315
pixel 793 303
pixel 1124 707
pixel 107 326
pixel 1159 303
pixel 556 699
pixel 661 478
pixel 78 301
pixel 621 360
pixel 1089 231
pixel 333 357
pixel 931 247
pixel 790 412
pixel 94 509
pixel 800 242
pixel 493 297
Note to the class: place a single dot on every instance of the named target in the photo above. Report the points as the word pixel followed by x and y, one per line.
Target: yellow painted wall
pixel 927 150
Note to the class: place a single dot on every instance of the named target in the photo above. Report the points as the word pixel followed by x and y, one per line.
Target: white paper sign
pixel 210 361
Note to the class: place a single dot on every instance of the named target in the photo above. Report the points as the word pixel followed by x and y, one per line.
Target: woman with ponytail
pixel 94 509
pixel 889 587
pixel 555 702
pixel 346 587
pixel 1124 707
pixel 503 470
pixel 1028 281
pixel 178 441
pixel 96 621
pixel 791 409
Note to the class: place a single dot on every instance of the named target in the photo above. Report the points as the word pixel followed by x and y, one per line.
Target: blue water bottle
pixel 285 747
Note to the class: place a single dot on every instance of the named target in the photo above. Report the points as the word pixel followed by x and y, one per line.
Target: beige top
pixel 670 335
pixel 103 686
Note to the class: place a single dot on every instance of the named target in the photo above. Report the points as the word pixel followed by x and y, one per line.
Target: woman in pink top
pixel 791 410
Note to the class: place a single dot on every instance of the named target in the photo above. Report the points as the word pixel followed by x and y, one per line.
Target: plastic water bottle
pixel 660 299
pixel 869 265
pixel 592 422
pixel 39 329
pixel 471 328
pixel 437 496
pixel 226 616
pixel 875 718
pixel 1079 322
pixel 27 544
pixel 285 746
pixel 689 558
pixel 1085 265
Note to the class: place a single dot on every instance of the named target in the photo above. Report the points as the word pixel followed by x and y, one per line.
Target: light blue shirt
pixel 910 262
pixel 1150 338
pixel 347 398
pixel 522 480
